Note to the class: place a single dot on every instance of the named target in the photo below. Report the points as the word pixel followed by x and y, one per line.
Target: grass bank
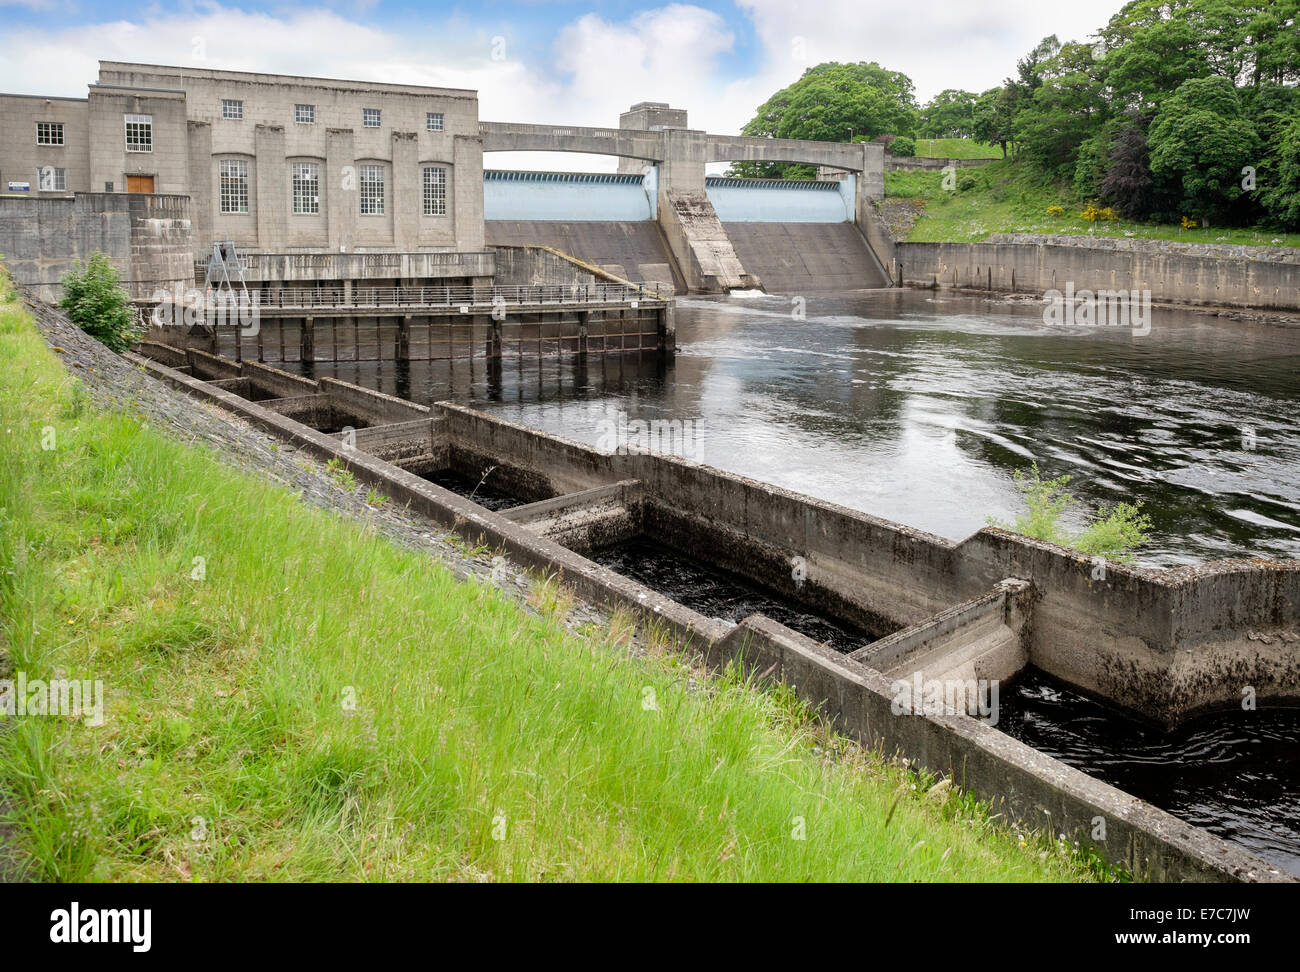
pixel 1007 197
pixel 955 148
pixel 292 697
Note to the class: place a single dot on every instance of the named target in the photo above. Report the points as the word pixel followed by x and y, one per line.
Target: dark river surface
pixel 918 407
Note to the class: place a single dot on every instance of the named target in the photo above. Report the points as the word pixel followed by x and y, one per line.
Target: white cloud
pixel 595 69
pixel 945 44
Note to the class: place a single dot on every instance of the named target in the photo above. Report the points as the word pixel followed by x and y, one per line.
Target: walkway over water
pixel 385 301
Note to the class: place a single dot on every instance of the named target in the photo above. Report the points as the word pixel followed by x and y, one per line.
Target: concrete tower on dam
pixel 706 234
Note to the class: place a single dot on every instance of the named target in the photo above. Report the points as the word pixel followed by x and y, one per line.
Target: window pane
pixel 139 133
pixel 304 114
pixel 435 190
pixel 370 117
pixel 231 108
pixel 306 188
pixel 49 133
pixel 372 190
pixel 234 186
pixel 433 121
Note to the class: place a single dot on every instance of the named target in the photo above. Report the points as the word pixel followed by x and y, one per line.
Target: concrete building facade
pixel 278 164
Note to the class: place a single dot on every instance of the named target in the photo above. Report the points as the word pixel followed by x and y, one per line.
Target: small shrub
pixel 966 183
pixel 1113 533
pixel 97 303
pixel 902 146
pixel 1189 223
pixel 1056 212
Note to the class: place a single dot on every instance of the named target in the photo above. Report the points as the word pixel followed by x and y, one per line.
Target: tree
pixel 1065 108
pixel 1280 190
pixel 949 114
pixel 1200 141
pixel 97 303
pixel 835 103
pixel 993 117
pixel 1128 184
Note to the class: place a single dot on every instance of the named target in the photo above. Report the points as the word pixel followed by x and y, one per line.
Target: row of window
pixel 305 177
pixel 306 115
pixel 139 128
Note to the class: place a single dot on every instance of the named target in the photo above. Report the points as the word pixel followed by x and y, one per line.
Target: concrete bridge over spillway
pixel 661 219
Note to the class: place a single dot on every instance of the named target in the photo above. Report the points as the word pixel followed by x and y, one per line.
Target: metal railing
pixel 433 297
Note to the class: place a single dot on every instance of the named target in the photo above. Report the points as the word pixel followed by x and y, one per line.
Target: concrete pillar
pixel 404 338
pixel 200 137
pixel 407 196
pixel 272 173
pixel 465 183
pixel 339 184
pixel 307 350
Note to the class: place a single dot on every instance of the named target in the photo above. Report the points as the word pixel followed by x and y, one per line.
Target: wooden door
pixel 139 183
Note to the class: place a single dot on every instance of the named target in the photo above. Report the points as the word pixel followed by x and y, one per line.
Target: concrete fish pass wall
pixel 1163 642
pixel 1170 275
pixel 569 196
pixel 781 200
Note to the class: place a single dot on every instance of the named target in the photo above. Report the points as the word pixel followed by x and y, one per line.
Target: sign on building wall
pixel 20 187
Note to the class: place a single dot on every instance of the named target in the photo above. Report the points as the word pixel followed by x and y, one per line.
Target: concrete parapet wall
pixel 147 236
pixel 1171 276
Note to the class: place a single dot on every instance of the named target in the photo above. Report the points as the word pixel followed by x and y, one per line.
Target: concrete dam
pixel 795 237
pixel 660 218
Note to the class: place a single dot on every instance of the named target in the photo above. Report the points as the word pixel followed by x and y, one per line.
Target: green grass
pixel 1008 197
pixel 320 703
pixel 955 148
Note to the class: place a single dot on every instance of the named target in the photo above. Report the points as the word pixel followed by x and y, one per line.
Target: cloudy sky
pixel 577 62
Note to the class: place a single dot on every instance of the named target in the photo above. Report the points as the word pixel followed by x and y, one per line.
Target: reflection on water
pixel 918 407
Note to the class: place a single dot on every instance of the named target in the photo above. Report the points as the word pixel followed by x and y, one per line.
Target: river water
pixel 918 407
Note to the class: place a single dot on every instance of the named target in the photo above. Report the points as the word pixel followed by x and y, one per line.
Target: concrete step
pixel 980 639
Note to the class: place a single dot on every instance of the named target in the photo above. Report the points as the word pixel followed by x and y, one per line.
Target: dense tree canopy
pixel 834 103
pixel 1179 108
pixel 1175 108
pixel 949 114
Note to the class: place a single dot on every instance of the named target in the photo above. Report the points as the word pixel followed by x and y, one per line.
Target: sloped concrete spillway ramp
pixel 806 258
pixel 633 250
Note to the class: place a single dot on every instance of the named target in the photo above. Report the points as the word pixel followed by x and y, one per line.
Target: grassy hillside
pixel 1007 197
pixel 318 703
pixel 955 148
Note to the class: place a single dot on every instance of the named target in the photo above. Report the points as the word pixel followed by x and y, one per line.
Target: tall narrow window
pixel 230 108
pixel 370 117
pixel 304 114
pixel 49 133
pixel 306 188
pixel 139 133
pixel 433 121
pixel 372 190
pixel 234 186
pixel 435 190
